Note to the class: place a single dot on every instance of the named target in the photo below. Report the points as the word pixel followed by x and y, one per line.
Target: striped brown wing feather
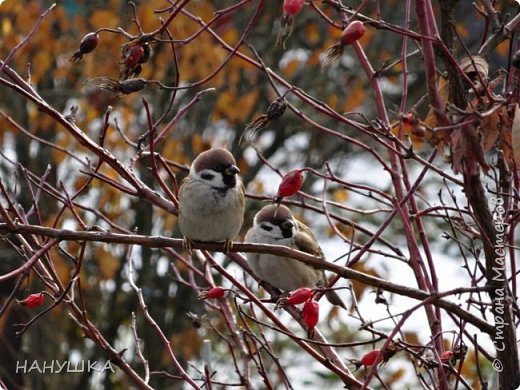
pixel 306 241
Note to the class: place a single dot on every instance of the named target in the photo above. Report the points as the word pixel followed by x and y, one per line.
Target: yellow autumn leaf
pixel 188 343
pixel 61 266
pixel 257 186
pixel 332 101
pixel 173 149
pixel 243 166
pixel 104 17
pixel 367 36
pixel 396 376
pixel 169 222
pixel 57 156
pixel 6 315
pixel 199 144
pixel 412 338
pixel 503 48
pixel 340 195
pixel 408 128
pixel 7 26
pixel 462 30
pixel 291 67
pixel 312 33
pixel 345 229
pixel 230 36
pixel 355 98
pixel 107 262
pixel 235 108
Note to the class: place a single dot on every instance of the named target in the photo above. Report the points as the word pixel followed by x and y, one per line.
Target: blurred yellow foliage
pixel 358 287
pixel 7 26
pixel 355 97
pixel 235 108
pixel 257 186
pixel 62 265
pixel 291 67
pixel 312 33
pixel 346 230
pixel 104 17
pixel 199 144
pixel 188 343
pixel 107 262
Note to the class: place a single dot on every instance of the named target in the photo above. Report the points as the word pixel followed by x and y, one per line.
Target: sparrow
pixel 211 199
pixel 275 224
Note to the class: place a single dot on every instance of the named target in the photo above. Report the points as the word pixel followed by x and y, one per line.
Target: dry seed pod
pixel 274 111
pixel 124 87
pixel 290 9
pixel 470 65
pixel 87 44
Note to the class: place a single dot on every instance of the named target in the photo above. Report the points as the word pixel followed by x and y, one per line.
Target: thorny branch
pixel 249 322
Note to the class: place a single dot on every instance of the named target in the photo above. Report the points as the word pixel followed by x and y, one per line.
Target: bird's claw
pixel 187 245
pixel 228 246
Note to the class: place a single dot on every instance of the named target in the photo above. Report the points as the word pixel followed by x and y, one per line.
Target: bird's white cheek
pixel 217 180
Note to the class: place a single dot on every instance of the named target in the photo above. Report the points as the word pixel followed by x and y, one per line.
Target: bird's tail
pixel 334 298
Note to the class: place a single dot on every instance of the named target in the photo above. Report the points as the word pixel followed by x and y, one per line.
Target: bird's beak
pixel 232 170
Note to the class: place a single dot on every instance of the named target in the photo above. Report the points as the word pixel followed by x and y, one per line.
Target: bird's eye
pixel 207 176
pixel 266 227
pixel 287 225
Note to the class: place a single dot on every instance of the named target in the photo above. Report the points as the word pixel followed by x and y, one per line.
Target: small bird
pixel 211 199
pixel 276 225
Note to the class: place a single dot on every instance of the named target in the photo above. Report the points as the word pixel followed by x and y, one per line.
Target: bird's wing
pixel 183 184
pixel 306 241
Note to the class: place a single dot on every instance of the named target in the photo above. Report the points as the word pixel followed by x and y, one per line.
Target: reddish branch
pixel 22 87
pixel 495 272
pixel 33 242
pixel 164 242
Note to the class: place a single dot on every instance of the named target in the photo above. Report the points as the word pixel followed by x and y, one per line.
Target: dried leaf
pixel 410 126
pixel 492 123
pixel 360 288
pixel 467 154
pixel 489 130
pixel 468 65
pixel 506 144
pixel 515 133
pixel 396 377
pixel 413 339
pixel 431 118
